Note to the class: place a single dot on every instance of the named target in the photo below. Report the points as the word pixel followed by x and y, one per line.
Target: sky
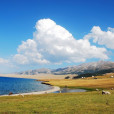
pixel 54 33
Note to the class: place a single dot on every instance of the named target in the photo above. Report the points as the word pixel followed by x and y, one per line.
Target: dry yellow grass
pixel 102 82
pixel 106 83
pixel 107 75
pixel 38 76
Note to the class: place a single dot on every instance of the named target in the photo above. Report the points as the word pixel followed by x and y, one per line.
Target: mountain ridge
pixel 95 68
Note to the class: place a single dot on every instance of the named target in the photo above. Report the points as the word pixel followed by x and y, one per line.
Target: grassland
pixel 38 76
pixel 101 83
pixel 92 102
pixel 63 103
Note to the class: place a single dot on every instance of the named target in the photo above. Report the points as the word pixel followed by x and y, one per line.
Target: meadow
pixel 91 102
pixel 62 103
pixel 102 82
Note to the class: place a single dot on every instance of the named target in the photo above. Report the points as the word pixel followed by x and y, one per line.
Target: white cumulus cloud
pixel 52 43
pixel 3 61
pixel 102 37
pixel 28 53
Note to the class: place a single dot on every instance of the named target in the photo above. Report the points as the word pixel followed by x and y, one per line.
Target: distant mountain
pixel 86 69
pixel 35 72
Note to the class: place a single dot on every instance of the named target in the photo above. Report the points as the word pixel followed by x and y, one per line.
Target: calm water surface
pixel 20 85
pixel 66 90
pixel 69 90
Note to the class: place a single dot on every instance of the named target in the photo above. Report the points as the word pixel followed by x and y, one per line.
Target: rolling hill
pixel 86 69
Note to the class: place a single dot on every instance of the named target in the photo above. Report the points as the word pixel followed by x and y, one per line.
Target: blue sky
pixel 18 19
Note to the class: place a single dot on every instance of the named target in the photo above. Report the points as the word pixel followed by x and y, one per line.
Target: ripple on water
pixel 20 85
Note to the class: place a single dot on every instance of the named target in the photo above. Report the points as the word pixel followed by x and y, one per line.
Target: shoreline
pixel 54 89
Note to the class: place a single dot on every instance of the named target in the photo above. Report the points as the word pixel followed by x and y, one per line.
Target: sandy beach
pixel 54 88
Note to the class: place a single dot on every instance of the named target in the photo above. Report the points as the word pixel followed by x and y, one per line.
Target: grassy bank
pixel 92 84
pixel 64 103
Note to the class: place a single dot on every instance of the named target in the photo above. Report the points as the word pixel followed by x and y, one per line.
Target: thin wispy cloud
pixel 3 61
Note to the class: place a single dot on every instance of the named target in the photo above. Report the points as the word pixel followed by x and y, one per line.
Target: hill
pixel 86 69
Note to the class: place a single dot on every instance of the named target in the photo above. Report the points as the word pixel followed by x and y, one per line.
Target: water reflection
pixel 69 90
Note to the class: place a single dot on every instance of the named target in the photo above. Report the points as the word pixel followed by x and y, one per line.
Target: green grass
pixel 63 103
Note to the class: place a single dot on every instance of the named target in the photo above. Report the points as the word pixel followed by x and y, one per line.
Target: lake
pixel 20 85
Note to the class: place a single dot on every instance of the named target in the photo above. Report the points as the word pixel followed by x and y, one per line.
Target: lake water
pixel 20 85
pixel 69 90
